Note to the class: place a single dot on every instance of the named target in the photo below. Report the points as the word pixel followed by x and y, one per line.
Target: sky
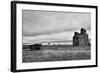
pixel 44 26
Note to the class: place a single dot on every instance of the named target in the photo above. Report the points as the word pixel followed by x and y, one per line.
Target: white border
pixel 21 65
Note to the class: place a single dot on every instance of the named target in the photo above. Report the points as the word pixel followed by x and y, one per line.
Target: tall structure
pixel 76 39
pixel 80 39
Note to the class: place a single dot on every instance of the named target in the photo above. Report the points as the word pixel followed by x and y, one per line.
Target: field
pixel 57 53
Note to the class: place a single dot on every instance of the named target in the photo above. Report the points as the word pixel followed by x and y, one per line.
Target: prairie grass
pixel 57 53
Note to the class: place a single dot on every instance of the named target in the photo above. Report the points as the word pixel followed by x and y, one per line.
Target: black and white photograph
pixel 56 36
pixel 47 36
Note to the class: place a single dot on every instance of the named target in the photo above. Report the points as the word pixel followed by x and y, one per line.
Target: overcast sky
pixel 53 26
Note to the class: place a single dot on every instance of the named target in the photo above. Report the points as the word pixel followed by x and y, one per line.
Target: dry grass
pixel 57 53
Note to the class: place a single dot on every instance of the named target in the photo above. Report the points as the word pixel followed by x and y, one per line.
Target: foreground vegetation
pixel 57 53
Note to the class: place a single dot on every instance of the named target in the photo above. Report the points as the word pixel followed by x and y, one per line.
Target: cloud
pixel 46 24
pixel 49 37
pixel 64 36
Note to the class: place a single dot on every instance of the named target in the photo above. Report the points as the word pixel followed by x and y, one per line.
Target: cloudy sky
pixel 53 26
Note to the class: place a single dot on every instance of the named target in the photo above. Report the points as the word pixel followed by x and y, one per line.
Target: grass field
pixel 57 53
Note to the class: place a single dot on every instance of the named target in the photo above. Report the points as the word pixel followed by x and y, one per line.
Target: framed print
pixel 47 36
